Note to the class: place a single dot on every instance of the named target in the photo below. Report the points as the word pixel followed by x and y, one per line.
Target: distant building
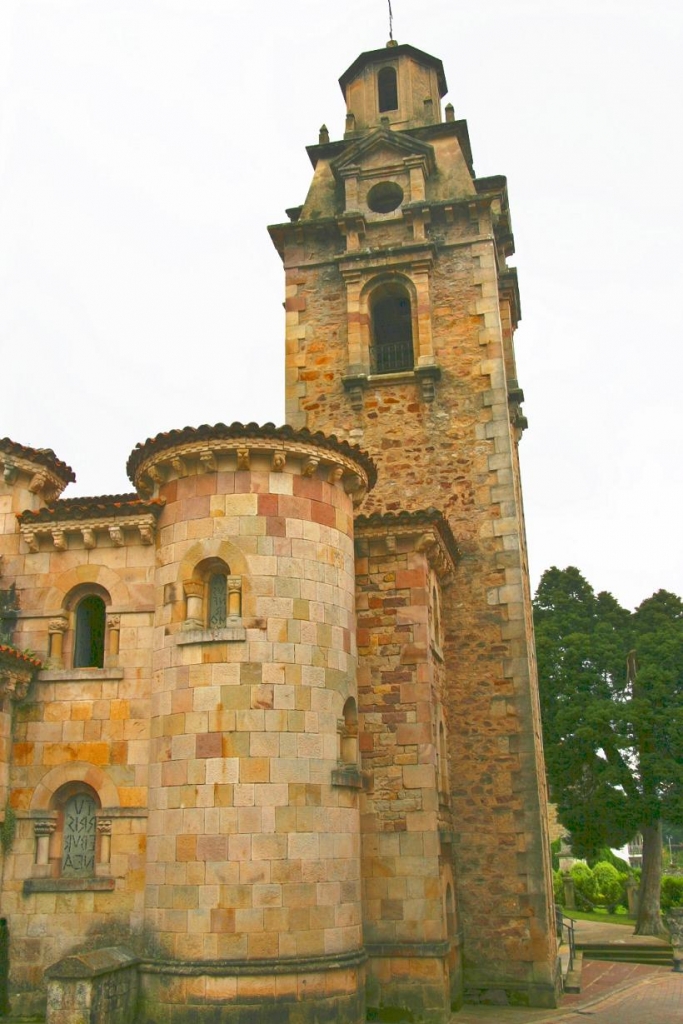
pixel 282 732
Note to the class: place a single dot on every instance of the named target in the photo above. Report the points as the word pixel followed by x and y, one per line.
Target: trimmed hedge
pixel 605 886
pixel 672 891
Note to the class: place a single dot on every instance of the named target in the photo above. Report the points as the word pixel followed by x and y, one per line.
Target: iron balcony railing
pixel 393 356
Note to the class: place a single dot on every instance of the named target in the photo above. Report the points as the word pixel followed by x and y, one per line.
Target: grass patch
pixel 601 916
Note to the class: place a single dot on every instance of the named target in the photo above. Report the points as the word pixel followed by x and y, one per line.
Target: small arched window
pixel 90 629
pixel 387 90
pixel 213 596
pixel 392 330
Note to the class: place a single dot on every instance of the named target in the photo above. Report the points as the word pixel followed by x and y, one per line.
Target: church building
pixel 270 725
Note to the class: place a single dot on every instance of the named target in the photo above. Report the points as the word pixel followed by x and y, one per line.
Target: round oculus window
pixel 385 196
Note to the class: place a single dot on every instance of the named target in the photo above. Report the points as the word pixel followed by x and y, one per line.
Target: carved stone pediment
pixel 379 149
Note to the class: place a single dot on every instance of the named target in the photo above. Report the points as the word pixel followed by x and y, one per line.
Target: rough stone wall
pixel 407 861
pixel 457 453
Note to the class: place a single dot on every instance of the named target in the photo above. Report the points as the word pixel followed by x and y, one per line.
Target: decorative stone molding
pixel 427 532
pixel 43 829
pixel 234 596
pixel 127 529
pixel 16 672
pixel 56 629
pixel 194 598
pixel 47 475
pixel 58 539
pixel 207 460
pixel 227 634
pixel 116 534
pixel 114 627
pixel 354 385
pixel 104 832
pixel 209 454
pixel 9 472
pixel 515 399
pixel 427 376
pixel 278 460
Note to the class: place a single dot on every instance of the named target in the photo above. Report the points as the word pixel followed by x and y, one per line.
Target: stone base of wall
pixel 319 990
pixel 498 992
pixel 420 982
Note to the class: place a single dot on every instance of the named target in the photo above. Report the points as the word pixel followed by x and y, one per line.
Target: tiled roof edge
pixel 429 516
pixel 92 508
pixel 41 456
pixel 171 438
pixel 11 652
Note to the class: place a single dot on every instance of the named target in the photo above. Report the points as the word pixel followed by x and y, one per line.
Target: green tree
pixel 611 686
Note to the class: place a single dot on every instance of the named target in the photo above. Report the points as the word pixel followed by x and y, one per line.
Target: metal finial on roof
pixel 391 26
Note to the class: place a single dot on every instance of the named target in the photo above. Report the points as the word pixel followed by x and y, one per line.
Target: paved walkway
pixel 611 993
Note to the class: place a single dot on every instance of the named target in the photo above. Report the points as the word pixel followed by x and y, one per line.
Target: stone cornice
pixel 209 449
pixel 105 506
pixel 121 527
pixel 351 263
pixel 428 531
pixel 43 479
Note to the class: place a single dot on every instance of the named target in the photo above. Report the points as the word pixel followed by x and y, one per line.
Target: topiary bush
pixel 558 888
pixel 672 892
pixel 610 888
pixel 585 886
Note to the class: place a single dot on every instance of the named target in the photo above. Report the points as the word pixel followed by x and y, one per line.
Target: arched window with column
pixel 213 596
pixel 391 320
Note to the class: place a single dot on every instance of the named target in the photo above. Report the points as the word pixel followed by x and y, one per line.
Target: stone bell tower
pixel 400 315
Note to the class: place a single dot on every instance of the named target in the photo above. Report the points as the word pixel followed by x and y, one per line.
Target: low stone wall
pixel 100 987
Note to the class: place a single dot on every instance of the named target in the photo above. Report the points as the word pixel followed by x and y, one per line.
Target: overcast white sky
pixel 146 144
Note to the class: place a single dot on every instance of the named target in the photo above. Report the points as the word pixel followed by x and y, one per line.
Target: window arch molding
pixel 72 813
pixel 82 640
pixel 74 772
pixel 209 597
pixel 213 595
pixel 385 290
pixel 99 577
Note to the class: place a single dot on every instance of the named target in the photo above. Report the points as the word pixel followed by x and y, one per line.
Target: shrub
pixel 558 888
pixel 672 891
pixel 585 886
pixel 555 853
pixel 610 889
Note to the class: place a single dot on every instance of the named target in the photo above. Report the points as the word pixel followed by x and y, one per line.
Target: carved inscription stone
pixel 80 832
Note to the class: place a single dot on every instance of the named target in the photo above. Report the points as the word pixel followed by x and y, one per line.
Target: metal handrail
pixel 568 923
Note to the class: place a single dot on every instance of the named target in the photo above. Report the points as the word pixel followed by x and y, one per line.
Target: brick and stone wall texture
pixel 457 453
pixel 253 852
pixel 406 822
pixel 77 730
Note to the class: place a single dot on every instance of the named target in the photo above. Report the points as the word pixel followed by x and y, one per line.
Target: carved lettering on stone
pixel 80 832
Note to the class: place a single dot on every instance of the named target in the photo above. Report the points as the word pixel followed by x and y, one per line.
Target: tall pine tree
pixel 611 685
